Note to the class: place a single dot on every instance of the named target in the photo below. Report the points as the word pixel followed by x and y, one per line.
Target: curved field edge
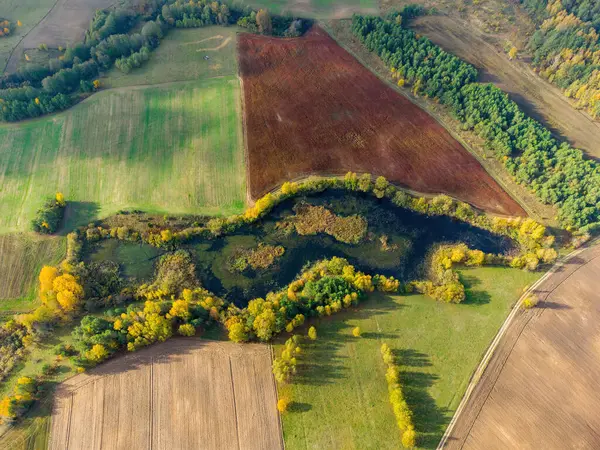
pixel 340 30
pixel 340 398
pixel 309 107
pixel 558 339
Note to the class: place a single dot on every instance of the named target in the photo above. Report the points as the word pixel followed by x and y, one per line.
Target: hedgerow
pixel 403 413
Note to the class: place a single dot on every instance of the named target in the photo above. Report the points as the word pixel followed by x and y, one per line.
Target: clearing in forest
pixel 183 394
pixel 311 107
pixel 174 149
pixel 185 55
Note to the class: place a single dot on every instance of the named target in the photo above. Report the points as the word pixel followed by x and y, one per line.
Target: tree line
pixel 557 173
pixel 39 89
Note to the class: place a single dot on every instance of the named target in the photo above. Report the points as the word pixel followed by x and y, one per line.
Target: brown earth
pixel 535 96
pixel 182 394
pixel 540 388
pixel 311 107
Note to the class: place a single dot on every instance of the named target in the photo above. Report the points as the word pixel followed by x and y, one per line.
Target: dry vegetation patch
pixel 183 394
pixel 312 107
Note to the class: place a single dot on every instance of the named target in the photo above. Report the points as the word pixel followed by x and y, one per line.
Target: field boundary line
pixel 477 375
pixel 244 126
pixel 25 35
pixel 237 427
pixel 279 421
pixel 307 176
pixel 536 314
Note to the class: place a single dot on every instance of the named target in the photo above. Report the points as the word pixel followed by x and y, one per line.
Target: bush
pixel 529 302
pixel 50 215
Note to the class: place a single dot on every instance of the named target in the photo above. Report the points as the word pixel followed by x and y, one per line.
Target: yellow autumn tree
pixel 47 276
pixel 60 198
pixel 282 405
pixel 97 353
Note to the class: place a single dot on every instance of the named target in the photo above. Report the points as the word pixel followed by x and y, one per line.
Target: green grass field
pixel 318 9
pixel 29 12
pixel 181 57
pixel 340 392
pixel 175 149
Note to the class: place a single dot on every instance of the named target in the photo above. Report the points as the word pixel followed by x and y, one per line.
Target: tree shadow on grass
pixel 299 407
pixel 78 214
pixel 473 296
pixel 325 366
pixel 429 419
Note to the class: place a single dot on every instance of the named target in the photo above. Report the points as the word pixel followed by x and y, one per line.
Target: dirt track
pixel 182 394
pixel 311 107
pixel 540 388
pixel 538 98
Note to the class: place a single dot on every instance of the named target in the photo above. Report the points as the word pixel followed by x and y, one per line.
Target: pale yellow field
pixel 182 394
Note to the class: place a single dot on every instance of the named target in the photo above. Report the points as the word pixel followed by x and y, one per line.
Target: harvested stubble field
pixel 311 107
pixel 540 388
pixel 183 394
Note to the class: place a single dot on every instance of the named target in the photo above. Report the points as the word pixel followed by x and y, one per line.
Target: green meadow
pixel 340 396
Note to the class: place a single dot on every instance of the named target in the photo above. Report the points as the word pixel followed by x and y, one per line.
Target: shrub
pixel 529 302
pixel 282 405
pixel 312 333
pixel 284 366
pixel 356 332
pixel 50 215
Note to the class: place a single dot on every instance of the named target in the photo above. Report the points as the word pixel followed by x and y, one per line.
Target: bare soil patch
pixel 182 394
pixel 540 389
pixel 311 107
pixel 537 97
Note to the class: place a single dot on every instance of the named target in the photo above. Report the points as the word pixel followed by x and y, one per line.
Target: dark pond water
pixel 409 237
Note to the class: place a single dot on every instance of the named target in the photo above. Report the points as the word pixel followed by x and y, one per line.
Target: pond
pixel 397 243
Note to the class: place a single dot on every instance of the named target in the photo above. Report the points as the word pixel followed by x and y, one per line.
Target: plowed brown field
pixel 540 387
pixel 311 107
pixel 182 394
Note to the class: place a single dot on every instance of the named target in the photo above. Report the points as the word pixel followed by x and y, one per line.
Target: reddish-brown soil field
pixel 311 107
